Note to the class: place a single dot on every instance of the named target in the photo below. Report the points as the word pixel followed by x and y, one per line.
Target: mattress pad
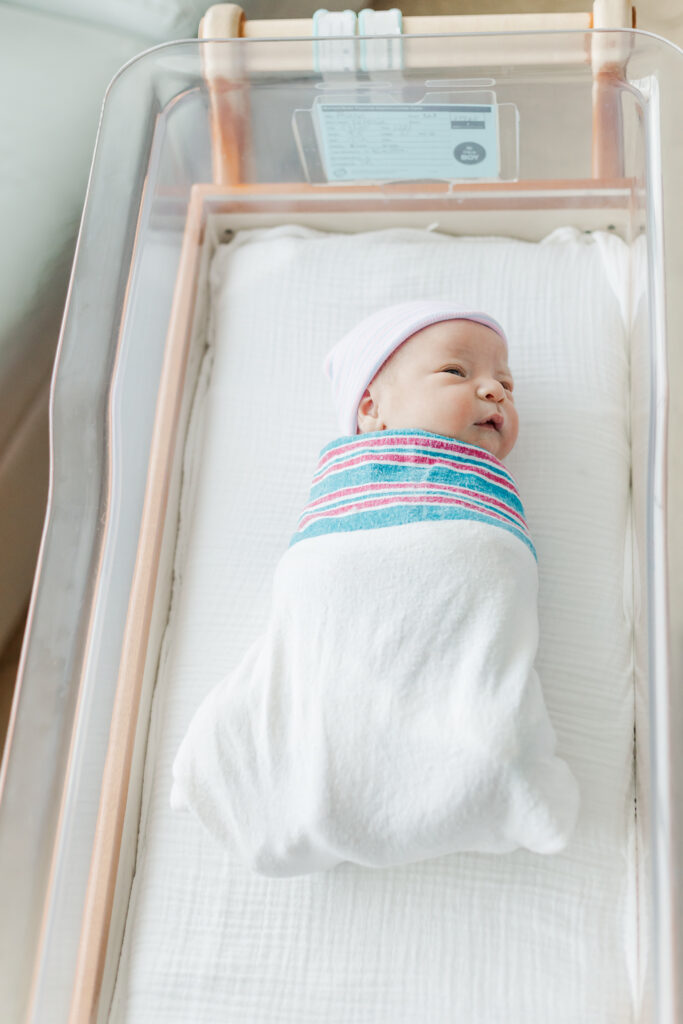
pixel 479 937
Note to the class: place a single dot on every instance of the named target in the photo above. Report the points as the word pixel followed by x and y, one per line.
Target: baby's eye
pixel 507 384
pixel 455 369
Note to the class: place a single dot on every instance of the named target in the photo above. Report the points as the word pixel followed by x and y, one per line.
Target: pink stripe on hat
pixel 354 361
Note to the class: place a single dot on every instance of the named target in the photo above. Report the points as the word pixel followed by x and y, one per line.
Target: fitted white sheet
pixel 468 937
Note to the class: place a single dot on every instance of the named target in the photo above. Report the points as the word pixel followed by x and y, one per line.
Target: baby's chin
pixel 488 438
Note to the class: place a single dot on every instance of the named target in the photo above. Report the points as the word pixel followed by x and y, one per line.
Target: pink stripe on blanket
pixel 465 492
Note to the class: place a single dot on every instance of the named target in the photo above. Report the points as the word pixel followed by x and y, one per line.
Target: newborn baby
pixel 391 711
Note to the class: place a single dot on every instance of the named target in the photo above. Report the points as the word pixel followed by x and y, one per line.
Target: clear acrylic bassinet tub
pixel 199 140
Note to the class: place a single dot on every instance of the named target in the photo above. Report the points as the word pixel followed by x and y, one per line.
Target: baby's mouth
pixel 494 422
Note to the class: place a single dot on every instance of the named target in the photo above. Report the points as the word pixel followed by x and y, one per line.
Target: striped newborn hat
pixel 354 361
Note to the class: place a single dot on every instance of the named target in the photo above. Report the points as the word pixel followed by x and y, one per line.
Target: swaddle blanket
pixel 391 711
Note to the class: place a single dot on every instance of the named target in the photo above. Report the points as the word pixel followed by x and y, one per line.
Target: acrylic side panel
pixel 109 354
pixel 190 313
pixel 664 166
pixel 641 380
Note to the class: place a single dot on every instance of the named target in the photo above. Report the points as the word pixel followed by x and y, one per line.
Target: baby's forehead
pixel 453 338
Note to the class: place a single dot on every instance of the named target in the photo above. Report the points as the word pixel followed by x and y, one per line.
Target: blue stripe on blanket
pixel 390 477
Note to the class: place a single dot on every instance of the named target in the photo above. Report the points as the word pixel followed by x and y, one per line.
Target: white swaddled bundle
pixel 391 711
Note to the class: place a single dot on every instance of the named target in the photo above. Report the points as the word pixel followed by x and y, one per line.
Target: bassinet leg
pixel 608 56
pixel 229 111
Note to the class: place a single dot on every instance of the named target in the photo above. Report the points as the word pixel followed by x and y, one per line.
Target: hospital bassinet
pixel 200 141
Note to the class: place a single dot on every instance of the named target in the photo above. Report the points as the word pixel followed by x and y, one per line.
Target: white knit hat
pixel 355 360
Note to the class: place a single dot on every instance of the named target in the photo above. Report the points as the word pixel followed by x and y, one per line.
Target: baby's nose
pixel 491 390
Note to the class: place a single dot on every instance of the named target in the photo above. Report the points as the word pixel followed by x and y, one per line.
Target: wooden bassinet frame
pixel 229 196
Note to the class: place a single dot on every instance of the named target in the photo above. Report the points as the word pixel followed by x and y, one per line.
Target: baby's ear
pixel 368 414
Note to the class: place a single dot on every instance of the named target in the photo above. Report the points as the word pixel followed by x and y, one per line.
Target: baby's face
pixel 450 378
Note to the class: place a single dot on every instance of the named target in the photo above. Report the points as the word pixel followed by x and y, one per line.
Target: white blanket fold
pixel 391 711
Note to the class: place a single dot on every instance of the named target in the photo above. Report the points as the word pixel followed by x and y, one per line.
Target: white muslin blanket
pixel 391 712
